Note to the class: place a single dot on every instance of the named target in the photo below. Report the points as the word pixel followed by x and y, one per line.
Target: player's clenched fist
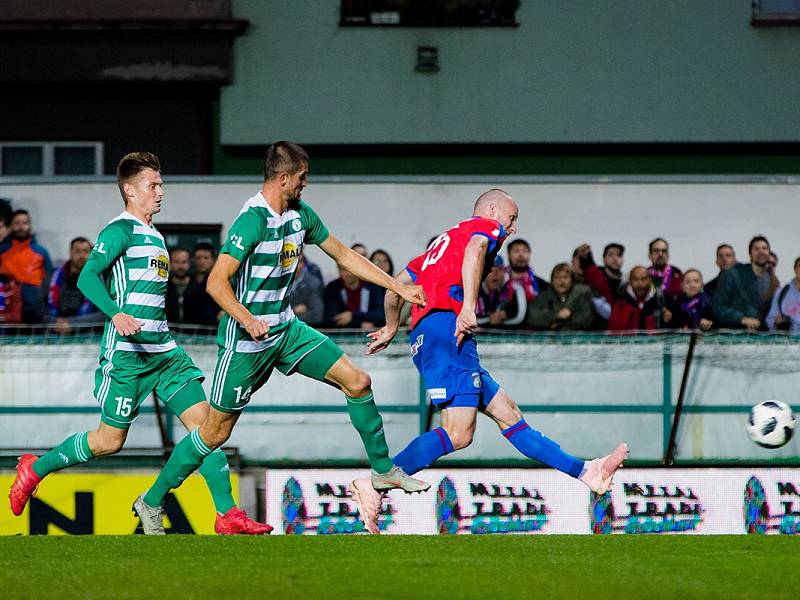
pixel 126 324
pixel 257 329
pixel 413 293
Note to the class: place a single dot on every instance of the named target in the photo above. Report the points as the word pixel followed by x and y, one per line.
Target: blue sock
pixel 423 450
pixel 538 447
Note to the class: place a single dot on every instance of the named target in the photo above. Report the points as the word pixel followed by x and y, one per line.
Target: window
pixel 776 12
pixel 51 158
pixel 429 13
pixel 22 160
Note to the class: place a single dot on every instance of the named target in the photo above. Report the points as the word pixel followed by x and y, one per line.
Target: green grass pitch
pixel 407 567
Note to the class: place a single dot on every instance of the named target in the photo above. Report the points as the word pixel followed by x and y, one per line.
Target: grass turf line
pixel 647 567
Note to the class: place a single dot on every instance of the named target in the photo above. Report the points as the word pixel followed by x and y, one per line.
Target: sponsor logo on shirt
pixel 160 265
pixel 289 254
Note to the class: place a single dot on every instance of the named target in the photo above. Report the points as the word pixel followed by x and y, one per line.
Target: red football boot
pixel 236 522
pixel 25 483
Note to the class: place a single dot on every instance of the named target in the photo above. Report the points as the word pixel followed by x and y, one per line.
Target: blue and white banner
pixel 541 501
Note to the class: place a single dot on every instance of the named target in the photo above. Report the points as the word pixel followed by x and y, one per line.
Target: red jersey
pixel 438 270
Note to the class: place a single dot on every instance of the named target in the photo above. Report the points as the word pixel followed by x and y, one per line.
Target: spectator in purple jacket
pixel 66 304
pixel 500 304
pixel 692 308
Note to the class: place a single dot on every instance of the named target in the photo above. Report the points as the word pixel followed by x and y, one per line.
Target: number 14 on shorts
pixel 240 397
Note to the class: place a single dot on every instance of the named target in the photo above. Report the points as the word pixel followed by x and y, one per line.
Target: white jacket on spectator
pixel 789 308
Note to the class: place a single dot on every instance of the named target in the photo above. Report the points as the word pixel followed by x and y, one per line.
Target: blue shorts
pixel 452 374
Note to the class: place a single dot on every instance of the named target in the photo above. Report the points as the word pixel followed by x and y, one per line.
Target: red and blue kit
pixel 452 373
pixel 438 269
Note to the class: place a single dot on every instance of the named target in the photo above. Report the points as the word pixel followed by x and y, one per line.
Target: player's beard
pixel 294 202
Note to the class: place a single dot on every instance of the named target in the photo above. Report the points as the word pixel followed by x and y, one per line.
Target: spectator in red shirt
pixel 350 302
pixel 613 258
pixel 640 304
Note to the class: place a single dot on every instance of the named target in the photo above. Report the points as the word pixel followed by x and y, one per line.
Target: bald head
pixel 498 205
pixel 640 281
pixel 486 199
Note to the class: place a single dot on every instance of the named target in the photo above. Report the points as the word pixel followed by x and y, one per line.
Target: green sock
pixel 216 472
pixel 72 451
pixel 186 457
pixel 365 418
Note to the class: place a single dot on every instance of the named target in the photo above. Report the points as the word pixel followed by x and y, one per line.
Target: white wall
pixel 534 373
pixel 401 217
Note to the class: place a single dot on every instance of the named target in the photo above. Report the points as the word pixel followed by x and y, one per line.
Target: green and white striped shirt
pixel 268 246
pixel 134 261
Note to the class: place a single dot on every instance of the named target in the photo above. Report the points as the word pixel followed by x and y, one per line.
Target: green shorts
pixel 124 379
pixel 300 349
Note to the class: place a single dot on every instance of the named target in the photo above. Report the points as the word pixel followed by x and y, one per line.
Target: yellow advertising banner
pixel 100 503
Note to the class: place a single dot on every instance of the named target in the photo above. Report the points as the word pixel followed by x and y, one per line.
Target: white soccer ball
pixel 771 423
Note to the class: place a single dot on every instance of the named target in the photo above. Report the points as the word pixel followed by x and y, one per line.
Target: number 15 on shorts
pixel 124 406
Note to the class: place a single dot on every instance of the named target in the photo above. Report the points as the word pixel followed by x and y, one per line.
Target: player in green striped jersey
pixel 126 277
pixel 259 333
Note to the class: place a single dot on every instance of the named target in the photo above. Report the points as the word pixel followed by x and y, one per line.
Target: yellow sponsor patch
pixel 100 503
pixel 289 254
pixel 160 265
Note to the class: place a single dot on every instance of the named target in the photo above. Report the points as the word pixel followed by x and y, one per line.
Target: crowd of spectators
pixel 584 296
pixel 187 300
pixel 581 295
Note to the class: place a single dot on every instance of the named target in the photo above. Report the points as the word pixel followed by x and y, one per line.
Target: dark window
pixel 22 160
pixel 429 13
pixel 74 160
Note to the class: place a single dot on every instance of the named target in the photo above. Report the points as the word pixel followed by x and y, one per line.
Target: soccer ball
pixel 771 423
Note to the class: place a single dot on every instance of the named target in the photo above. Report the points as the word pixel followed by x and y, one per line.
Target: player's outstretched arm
pixel 366 271
pixel 392 304
pixel 219 288
pixel 471 270
pixel 91 285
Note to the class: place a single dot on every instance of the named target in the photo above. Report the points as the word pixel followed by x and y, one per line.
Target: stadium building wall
pixel 577 72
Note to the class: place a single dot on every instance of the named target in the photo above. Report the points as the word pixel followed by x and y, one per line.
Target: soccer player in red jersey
pixel 445 351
